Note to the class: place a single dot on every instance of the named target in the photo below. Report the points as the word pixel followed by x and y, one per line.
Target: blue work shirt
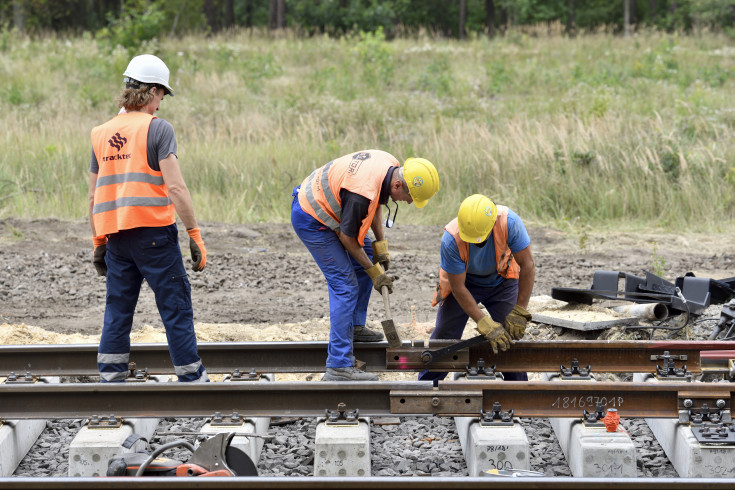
pixel 482 267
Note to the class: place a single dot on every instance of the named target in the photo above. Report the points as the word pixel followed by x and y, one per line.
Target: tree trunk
pixel 281 14
pixel 209 14
pixel 652 8
pixel 229 13
pixel 462 18
pixel 673 6
pixel 248 13
pixel 570 19
pixel 626 18
pixel 490 17
pixel 272 13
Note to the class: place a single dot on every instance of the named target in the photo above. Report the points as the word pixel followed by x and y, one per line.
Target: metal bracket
pixel 575 372
pixel 28 379
pixel 496 418
pixel 234 420
pixel 714 408
pixel 459 403
pixel 342 417
pixel 480 371
pixel 592 419
pixel 138 376
pixel 670 371
pixel 714 434
pixel 111 422
pixel 239 376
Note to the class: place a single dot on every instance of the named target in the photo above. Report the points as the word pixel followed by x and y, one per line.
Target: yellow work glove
pixel 515 322
pixel 98 259
pixel 380 278
pixel 198 252
pixel 380 254
pixel 494 333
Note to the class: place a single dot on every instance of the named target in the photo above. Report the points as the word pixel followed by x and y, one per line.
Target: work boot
pixel 364 334
pixel 348 374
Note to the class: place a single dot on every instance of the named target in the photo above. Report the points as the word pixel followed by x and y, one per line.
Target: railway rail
pixel 308 357
pixel 397 483
pixel 450 398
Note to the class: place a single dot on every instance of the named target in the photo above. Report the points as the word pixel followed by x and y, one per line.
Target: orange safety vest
pixel 362 173
pixel 505 262
pixel 129 194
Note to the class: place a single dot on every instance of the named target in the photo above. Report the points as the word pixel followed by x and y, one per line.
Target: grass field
pixel 593 131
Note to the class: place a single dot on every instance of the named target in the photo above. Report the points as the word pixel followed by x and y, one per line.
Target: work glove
pixel 98 259
pixel 380 254
pixel 380 278
pixel 198 252
pixel 515 322
pixel 494 333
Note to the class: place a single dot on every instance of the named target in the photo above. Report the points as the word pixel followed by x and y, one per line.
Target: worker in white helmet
pixel 485 258
pixel 135 191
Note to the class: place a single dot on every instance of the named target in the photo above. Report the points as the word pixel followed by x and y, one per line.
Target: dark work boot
pixel 348 374
pixel 364 334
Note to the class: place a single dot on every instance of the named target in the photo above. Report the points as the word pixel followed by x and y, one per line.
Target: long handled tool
pixel 389 327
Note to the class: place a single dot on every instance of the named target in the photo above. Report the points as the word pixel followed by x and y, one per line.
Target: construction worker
pixel 332 211
pixel 485 258
pixel 135 185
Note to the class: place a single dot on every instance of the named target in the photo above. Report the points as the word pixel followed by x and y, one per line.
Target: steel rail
pixel 385 483
pixel 310 399
pixel 309 357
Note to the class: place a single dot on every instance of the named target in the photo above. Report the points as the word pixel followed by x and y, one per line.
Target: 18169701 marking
pixel 585 401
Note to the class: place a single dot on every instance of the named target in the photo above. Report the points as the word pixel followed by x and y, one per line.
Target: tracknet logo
pixel 118 141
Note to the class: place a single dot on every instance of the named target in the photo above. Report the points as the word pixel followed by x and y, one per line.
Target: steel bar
pixel 362 483
pixel 309 357
pixel 309 399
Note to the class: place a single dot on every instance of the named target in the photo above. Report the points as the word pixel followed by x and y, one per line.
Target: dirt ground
pixel 261 283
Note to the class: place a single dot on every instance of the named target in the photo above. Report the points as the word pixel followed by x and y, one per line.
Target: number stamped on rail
pixel 587 401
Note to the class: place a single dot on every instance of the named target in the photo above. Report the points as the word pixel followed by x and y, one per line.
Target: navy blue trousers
pixel 152 254
pixel 451 319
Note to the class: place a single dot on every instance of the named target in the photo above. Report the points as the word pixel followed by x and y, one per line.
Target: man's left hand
pixel 515 322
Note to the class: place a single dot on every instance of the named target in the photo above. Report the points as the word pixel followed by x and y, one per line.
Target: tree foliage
pixel 135 21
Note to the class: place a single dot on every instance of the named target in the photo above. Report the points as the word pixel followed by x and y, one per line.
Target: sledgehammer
pixel 389 328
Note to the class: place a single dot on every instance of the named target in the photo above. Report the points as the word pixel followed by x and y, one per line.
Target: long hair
pixel 133 99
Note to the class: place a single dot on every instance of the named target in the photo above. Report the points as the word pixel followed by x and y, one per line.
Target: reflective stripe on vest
pixel 128 193
pixel 361 173
pixel 323 175
pixel 505 263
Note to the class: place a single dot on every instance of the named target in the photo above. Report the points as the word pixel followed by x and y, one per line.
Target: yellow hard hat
pixel 422 179
pixel 476 218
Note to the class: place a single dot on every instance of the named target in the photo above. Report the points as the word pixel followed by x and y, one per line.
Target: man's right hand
pixel 380 278
pixel 494 333
pixel 98 259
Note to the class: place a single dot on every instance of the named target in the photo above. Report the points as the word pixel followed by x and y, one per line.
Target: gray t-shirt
pixel 161 143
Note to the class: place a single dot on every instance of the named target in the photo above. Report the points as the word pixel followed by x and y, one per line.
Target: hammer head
pixel 389 329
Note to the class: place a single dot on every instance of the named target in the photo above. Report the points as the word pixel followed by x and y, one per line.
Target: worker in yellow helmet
pixel 332 211
pixel 485 258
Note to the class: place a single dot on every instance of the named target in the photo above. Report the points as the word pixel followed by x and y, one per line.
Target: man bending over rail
pixel 332 211
pixel 135 185
pixel 485 257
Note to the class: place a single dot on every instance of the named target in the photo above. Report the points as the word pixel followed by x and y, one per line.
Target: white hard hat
pixel 148 69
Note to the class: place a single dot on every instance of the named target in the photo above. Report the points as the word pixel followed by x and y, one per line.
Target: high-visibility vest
pixel 362 173
pixel 505 263
pixel 129 194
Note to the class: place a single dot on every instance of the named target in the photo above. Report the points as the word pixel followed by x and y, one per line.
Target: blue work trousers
pixel 348 284
pixel 152 254
pixel 451 319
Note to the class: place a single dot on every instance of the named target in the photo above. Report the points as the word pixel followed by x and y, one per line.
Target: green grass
pixel 595 131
